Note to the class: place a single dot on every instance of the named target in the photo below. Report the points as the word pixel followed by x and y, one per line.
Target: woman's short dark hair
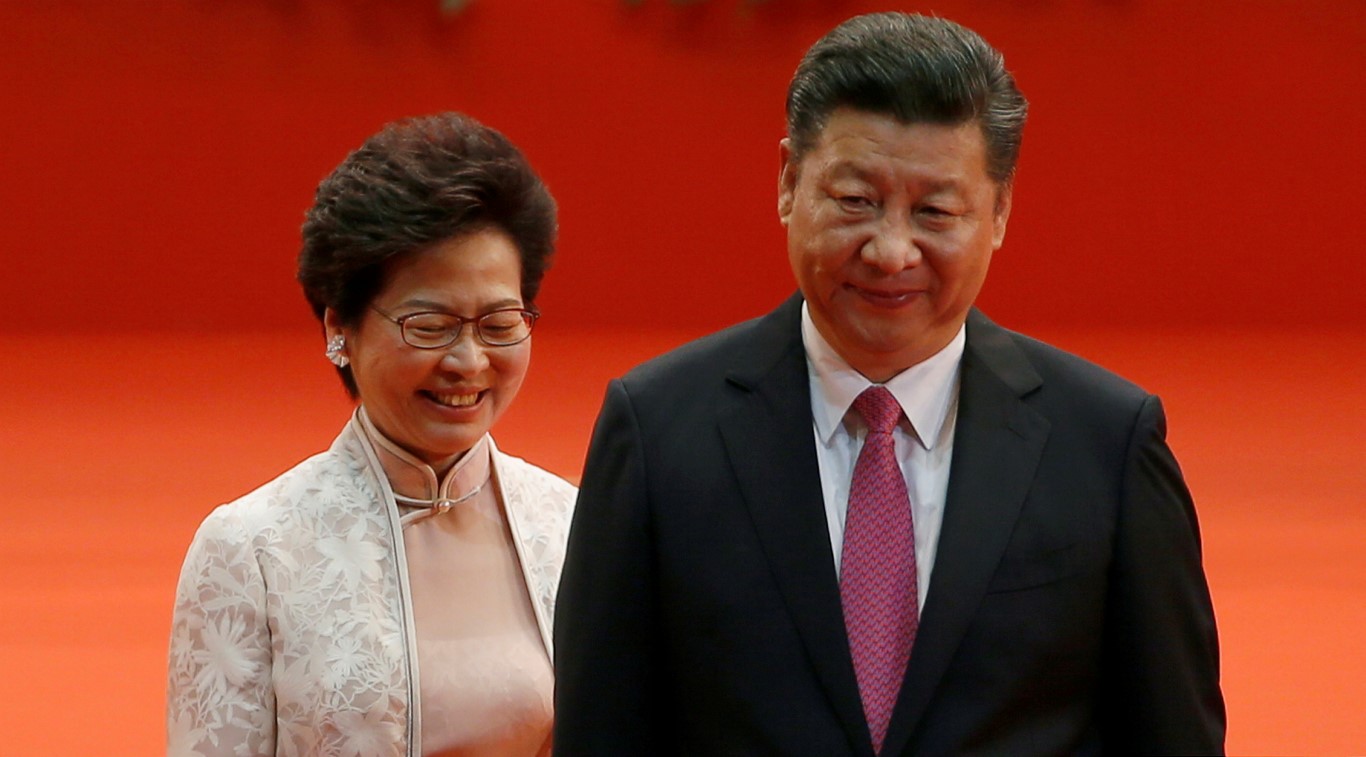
pixel 917 69
pixel 419 181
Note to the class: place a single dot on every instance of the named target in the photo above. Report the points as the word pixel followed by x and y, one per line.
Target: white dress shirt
pixel 928 394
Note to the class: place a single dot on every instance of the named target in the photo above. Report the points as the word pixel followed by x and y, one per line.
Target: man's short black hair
pixel 917 69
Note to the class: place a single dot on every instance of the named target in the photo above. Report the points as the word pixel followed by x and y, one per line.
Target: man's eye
pixel 854 202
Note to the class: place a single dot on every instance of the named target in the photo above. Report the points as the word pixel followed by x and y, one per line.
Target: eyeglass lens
pixel 500 328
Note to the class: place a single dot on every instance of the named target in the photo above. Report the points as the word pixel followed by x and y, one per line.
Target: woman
pixel 393 595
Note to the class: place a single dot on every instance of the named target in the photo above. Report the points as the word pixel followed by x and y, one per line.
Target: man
pixel 874 522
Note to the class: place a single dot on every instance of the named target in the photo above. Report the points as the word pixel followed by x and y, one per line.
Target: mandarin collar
pixel 415 483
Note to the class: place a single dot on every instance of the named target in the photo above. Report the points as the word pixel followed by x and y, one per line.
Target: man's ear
pixel 787 180
pixel 1004 197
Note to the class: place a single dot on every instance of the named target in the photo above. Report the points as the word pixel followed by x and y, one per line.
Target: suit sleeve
pixel 607 666
pixel 1162 683
pixel 219 698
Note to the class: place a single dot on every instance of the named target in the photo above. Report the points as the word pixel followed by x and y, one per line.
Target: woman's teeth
pixel 456 400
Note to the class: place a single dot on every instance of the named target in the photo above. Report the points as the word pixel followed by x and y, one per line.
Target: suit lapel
pixel 771 448
pixel 997 444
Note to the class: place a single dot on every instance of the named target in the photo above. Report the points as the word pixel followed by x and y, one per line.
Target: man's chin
pixel 894 350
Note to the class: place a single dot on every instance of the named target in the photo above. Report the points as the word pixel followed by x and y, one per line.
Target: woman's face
pixel 437 403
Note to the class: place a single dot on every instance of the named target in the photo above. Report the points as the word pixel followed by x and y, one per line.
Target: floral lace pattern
pixel 292 633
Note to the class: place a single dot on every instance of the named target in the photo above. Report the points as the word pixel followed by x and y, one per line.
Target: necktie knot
pixel 879 409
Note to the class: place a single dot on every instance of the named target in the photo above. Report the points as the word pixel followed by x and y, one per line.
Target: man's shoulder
pixel 1058 372
pixel 744 347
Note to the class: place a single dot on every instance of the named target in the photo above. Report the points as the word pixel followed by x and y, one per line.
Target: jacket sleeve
pixel 1162 693
pixel 607 666
pixel 219 699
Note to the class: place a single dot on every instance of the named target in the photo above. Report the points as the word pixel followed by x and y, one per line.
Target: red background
pixel 1185 163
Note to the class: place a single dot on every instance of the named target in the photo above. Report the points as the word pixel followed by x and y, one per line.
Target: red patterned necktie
pixel 877 566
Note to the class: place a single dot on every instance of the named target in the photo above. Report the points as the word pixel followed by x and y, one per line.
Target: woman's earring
pixel 335 345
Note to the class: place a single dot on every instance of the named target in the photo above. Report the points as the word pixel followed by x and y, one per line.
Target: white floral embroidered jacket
pixel 293 630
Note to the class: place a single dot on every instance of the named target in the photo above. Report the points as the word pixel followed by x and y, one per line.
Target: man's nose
pixel 893 246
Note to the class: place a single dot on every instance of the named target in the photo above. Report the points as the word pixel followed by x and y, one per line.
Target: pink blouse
pixel 485 679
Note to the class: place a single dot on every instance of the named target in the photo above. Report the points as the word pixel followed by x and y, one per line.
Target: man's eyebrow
pixel 846 167
pixel 870 173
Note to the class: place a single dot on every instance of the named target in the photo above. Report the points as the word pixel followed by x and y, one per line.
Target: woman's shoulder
pixel 526 486
pixel 326 480
pixel 513 467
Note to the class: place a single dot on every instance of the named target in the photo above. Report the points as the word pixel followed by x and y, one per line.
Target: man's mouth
pixel 890 299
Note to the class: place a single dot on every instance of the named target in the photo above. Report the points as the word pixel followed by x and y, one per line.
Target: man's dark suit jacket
pixel 699 611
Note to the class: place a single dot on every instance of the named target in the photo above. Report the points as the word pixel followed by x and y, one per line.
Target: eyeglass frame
pixel 528 314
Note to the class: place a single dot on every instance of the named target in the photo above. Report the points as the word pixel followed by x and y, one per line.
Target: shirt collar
pixel 924 390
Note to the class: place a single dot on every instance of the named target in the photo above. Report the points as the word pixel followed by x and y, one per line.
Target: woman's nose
pixel 466 354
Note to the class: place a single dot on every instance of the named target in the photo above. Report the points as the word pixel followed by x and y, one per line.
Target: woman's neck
pixel 417 483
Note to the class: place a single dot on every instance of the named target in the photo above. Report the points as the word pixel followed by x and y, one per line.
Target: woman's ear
pixel 332 324
pixel 335 339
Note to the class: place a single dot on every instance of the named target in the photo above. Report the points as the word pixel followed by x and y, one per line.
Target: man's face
pixel 890 229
